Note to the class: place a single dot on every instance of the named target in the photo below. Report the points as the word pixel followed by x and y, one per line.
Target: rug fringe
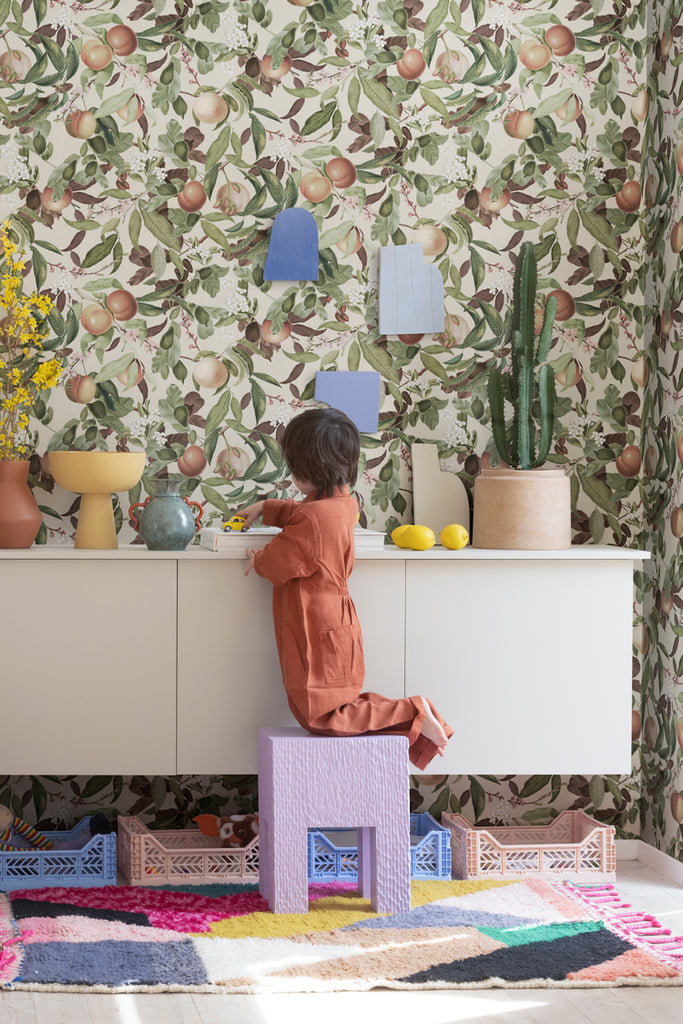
pixel 638 927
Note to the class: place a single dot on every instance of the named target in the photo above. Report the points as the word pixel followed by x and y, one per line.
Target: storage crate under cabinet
pixel 78 858
pixel 573 847
pixel 333 853
pixel 181 856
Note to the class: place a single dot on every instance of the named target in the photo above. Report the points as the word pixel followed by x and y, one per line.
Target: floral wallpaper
pixel 147 147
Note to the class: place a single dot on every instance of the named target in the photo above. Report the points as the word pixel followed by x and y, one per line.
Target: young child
pixel 317 630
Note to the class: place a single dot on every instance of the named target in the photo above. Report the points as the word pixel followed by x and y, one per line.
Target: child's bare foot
pixel 432 729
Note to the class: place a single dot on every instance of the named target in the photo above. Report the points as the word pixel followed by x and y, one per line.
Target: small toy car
pixel 234 523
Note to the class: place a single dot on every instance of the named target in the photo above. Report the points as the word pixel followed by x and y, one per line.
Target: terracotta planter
pixel 525 510
pixel 20 517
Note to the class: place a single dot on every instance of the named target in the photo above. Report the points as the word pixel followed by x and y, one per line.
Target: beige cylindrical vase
pixel 525 510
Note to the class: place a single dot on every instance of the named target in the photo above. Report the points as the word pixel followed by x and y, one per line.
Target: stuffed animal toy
pixel 10 824
pixel 232 830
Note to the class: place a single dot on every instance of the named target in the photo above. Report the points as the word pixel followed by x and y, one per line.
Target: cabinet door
pixel 88 678
pixel 229 680
pixel 529 662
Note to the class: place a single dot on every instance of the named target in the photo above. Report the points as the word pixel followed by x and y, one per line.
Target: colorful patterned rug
pixel 223 939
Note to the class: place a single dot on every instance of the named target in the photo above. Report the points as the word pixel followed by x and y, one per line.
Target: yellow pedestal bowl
pixel 96 476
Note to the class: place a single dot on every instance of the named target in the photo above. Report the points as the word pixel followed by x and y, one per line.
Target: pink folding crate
pixel 181 857
pixel 573 846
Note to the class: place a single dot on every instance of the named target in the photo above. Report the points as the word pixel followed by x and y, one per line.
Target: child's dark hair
pixel 322 446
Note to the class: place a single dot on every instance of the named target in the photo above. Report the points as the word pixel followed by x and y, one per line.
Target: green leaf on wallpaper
pixel 274 185
pixel 218 147
pixel 478 796
pixel 478 268
pixel 598 227
pixel 274 451
pixel 218 413
pixel 534 784
pixel 39 798
pixel 494 55
pixel 475 336
pixel 160 228
pixel 335 234
pixel 378 94
pixel 258 134
pixel 573 227
pixel 493 318
pixel 434 101
pixel 255 468
pixel 72 327
pixel 379 360
pixel 597 490
pixel 158 260
pixel 258 399
pixel 95 785
pixel 114 103
pixel 113 369
pixel 256 202
pixel 39 264
pixel 436 17
pixel 435 367
pixel 99 252
pixel 440 804
pixel 596 526
pixel 474 70
pixel 318 119
pixel 552 103
pixel 596 790
pixel 37 71
pixel 215 233
pixel 54 52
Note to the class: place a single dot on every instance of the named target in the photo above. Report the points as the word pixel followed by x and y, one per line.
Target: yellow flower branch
pixel 23 329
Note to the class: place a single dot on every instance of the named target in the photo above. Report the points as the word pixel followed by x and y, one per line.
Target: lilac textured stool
pixel 356 782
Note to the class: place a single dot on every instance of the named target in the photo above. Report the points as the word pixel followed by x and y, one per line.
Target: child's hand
pixel 251 513
pixel 250 555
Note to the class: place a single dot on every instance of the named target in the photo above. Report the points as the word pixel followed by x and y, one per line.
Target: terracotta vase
pixel 524 510
pixel 20 517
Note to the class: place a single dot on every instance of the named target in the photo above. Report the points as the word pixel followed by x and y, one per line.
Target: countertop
pixel 127 552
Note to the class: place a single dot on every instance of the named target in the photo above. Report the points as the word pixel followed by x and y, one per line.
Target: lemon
pixel 418 538
pixel 454 536
pixel 398 535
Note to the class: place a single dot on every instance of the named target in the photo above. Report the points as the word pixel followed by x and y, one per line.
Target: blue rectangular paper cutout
pixel 355 392
pixel 410 292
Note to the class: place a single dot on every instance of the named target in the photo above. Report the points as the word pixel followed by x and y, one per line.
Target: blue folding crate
pixel 333 853
pixel 77 859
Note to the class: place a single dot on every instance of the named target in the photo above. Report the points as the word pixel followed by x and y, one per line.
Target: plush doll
pixel 10 824
pixel 232 830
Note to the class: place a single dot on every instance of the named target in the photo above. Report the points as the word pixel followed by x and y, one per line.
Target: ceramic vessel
pixel 166 521
pixel 95 476
pixel 518 509
pixel 20 517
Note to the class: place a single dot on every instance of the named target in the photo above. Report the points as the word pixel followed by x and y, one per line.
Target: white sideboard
pixel 141 662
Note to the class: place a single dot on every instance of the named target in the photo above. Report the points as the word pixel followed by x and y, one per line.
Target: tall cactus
pixel 524 386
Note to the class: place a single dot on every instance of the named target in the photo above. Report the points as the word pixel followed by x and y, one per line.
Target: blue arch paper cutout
pixel 293 247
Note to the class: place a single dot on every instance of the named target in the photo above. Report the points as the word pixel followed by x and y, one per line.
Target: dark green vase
pixel 166 521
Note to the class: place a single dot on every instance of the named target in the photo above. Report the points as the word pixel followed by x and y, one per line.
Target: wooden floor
pixel 644 888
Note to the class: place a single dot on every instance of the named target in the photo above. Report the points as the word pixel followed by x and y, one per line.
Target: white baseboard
pixel 636 849
pixel 627 849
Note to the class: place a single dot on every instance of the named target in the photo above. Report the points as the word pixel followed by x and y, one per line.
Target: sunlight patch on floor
pixel 398 1007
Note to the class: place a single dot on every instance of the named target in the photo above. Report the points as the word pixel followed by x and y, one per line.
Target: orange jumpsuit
pixel 318 634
